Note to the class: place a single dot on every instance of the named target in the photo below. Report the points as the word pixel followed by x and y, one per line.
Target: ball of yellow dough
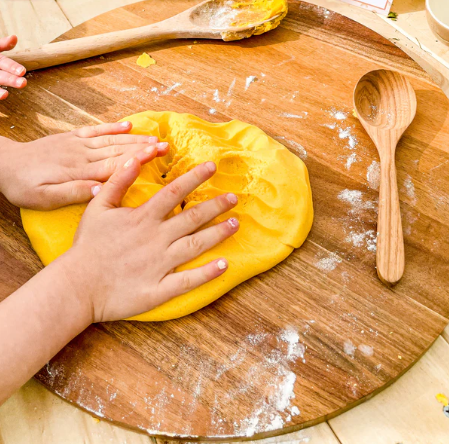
pixel 274 210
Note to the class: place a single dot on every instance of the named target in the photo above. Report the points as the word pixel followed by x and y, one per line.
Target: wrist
pixel 7 147
pixel 77 284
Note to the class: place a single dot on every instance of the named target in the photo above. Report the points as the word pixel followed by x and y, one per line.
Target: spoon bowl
pixel 386 105
pixel 385 99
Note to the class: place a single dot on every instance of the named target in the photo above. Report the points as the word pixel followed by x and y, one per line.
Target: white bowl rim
pixel 429 9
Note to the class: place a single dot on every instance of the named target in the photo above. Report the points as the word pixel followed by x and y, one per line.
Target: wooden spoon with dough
pixel 212 19
pixel 386 105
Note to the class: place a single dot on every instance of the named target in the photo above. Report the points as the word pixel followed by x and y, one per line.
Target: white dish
pixel 438 18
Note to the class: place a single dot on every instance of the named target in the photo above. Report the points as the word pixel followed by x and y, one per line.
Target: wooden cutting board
pixel 315 335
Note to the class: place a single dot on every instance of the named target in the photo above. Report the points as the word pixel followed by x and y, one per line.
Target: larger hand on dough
pixel 134 273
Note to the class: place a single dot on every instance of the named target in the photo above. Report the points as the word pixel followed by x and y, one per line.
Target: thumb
pixel 114 190
pixel 8 43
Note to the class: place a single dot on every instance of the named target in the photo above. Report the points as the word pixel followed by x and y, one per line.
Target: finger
pixel 119 139
pixel 128 151
pixel 190 247
pixel 12 80
pixel 113 191
pixel 75 192
pixel 195 217
pixel 8 43
pixel 8 65
pixel 3 94
pixel 182 282
pixel 174 193
pixel 104 129
pixel 104 169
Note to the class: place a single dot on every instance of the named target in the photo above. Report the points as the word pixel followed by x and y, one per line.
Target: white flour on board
pixel 365 238
pixel 249 80
pixel 373 175
pixel 366 350
pixel 338 115
pixel 355 199
pixel 295 116
pixel 328 263
pixel 410 189
pixel 349 348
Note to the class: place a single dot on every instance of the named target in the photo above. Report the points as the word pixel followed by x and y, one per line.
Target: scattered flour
pixel 295 348
pixel 295 116
pixel 212 111
pixel 349 348
pixel 249 80
pixel 355 199
pixel 216 96
pixel 410 189
pixel 347 134
pixel 373 175
pixel 328 263
pixel 366 238
pixel 350 160
pixel 366 350
pixel 169 89
pixel 339 115
pixel 231 87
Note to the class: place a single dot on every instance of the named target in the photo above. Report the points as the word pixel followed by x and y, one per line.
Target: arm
pixel 66 168
pixel 36 322
pixel 84 285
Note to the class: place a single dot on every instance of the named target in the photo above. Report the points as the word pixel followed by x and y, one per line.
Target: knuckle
pixel 195 215
pixel 195 244
pixel 116 150
pixel 110 164
pixel 175 190
pixel 186 282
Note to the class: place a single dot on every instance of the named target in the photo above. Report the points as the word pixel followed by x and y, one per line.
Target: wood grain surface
pixel 317 334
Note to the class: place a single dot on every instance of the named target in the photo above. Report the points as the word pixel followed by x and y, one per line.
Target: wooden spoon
pixel 386 105
pixel 211 19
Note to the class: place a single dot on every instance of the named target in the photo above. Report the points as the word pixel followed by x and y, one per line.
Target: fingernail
pixel 20 82
pixel 125 124
pixel 210 166
pixel 129 163
pixel 19 71
pixel 150 149
pixel 152 140
pixel 222 264
pixel 232 198
pixel 233 222
pixel 162 145
pixel 95 190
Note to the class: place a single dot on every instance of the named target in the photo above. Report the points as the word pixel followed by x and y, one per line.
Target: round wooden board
pixel 315 335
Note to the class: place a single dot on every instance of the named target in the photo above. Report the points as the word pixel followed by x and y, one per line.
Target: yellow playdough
pixel 275 201
pixel 145 60
pixel 245 14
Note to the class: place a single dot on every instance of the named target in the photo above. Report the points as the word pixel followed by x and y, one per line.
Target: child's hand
pixel 11 72
pixel 68 168
pixel 123 259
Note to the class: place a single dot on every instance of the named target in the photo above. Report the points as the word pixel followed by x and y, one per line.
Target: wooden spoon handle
pixel 390 241
pixel 58 53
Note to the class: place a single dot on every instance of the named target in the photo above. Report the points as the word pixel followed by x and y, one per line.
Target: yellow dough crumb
pixel 354 113
pixel 272 184
pixel 145 60
pixel 443 399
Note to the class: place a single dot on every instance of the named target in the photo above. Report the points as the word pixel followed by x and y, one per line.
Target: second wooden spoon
pixel 386 105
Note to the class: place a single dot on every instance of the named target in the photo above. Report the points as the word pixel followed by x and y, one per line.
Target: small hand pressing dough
pixel 274 210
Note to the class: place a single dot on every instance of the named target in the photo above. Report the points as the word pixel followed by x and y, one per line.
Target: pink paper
pixel 379 6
